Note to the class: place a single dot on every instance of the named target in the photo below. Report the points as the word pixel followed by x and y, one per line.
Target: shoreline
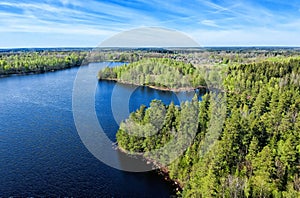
pixel 160 169
pixel 30 73
pixel 47 70
pixel 183 89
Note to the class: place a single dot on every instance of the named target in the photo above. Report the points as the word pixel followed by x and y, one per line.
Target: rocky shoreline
pixel 178 186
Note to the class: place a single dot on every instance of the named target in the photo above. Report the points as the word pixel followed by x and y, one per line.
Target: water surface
pixel 41 153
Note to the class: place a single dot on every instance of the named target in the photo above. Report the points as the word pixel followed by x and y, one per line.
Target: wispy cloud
pixel 210 23
pixel 42 17
pixel 249 21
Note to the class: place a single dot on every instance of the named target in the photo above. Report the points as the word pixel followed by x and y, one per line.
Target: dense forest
pixel 157 72
pixel 38 62
pixel 22 61
pixel 254 153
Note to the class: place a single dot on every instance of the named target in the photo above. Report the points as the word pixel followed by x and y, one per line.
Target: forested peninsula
pixel 158 73
pixel 256 153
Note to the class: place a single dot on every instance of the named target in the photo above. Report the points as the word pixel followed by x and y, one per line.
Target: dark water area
pixel 41 153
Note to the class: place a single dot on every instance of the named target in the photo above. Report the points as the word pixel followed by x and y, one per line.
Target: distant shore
pixel 33 72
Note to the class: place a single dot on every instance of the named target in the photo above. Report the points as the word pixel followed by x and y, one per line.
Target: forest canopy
pixel 38 62
pixel 156 72
pixel 257 153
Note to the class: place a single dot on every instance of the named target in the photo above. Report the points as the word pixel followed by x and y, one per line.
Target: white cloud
pixel 29 23
pixel 210 23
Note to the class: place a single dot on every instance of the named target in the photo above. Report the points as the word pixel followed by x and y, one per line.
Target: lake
pixel 41 152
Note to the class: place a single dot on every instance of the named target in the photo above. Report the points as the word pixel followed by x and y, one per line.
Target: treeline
pixel 253 152
pixel 128 55
pixel 39 62
pixel 113 56
pixel 157 72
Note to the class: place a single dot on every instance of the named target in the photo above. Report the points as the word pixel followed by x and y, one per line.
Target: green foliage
pixel 38 62
pixel 158 72
pixel 257 153
pixel 148 128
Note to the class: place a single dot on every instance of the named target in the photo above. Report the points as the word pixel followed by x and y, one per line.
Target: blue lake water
pixel 41 153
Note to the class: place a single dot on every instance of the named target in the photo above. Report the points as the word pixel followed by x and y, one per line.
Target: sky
pixel 87 23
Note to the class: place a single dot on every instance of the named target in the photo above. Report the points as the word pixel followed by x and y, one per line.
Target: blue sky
pixel 78 23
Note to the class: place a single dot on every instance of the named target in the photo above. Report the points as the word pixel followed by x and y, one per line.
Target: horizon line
pixel 149 47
